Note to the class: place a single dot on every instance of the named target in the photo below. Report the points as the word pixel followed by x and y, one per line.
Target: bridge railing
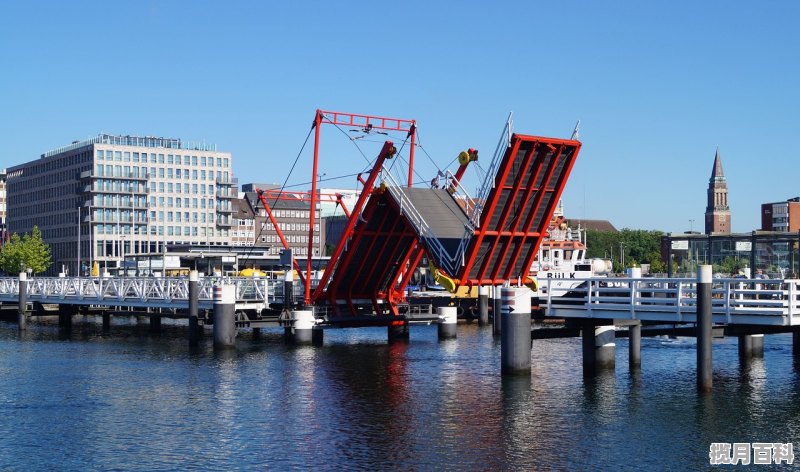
pixel 491 173
pixel 144 289
pixel 678 297
pixel 440 254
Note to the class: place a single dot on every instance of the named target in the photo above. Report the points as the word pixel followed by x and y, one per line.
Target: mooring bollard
pixel 302 326
pixel 483 305
pixel 704 361
pixel 194 295
pixel 515 334
pixel 448 321
pixel 22 316
pixel 224 311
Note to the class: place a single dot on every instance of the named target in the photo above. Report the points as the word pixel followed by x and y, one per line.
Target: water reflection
pixel 109 400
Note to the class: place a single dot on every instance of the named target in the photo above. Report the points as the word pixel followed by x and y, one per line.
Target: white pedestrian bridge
pixel 773 302
pixel 145 292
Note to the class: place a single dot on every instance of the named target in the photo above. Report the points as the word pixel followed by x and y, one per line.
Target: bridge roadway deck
pixel 144 292
pixel 774 302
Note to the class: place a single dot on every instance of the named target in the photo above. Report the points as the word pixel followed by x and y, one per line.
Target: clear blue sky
pixel 657 88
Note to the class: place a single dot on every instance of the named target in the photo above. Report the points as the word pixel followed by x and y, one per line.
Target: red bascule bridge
pixel 485 239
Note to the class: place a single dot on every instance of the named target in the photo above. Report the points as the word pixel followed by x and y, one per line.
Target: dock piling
pixel 515 337
pixel 751 345
pixel 496 317
pixel 448 317
pixel 483 305
pixel 194 295
pixel 22 316
pixel 599 346
pixel 704 359
pixel 635 346
pixel 224 316
pixel 398 332
pixel 302 326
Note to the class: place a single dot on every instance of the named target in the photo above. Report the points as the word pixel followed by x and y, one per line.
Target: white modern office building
pixel 100 200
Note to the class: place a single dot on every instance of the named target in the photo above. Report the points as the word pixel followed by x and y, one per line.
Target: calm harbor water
pixel 126 400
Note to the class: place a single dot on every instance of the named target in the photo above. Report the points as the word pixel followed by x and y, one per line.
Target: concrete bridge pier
pixel 317 336
pixel 65 313
pixel 751 345
pixel 106 321
pixel 398 332
pixel 303 326
pixel 22 315
pixel 447 321
pixel 599 346
pixel 224 319
pixel 155 324
pixel 483 305
pixel 796 343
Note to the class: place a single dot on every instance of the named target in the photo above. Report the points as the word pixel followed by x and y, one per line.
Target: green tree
pixel 28 252
pixel 640 247
pixel 11 256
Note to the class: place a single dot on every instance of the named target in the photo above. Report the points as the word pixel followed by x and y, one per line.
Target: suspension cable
pixel 280 192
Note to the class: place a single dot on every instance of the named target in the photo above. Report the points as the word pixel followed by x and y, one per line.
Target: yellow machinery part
pixel 449 284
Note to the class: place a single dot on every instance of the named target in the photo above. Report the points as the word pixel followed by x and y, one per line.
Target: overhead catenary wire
pixel 280 192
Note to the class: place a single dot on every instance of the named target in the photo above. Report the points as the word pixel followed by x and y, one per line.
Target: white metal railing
pixel 448 262
pixel 491 172
pixel 144 291
pixel 751 301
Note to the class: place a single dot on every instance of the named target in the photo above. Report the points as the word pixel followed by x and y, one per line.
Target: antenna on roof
pixel 576 131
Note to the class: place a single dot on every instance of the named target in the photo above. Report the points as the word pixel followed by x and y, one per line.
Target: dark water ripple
pixel 126 400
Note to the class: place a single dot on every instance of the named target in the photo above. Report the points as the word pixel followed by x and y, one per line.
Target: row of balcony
pixel 128 206
pixel 97 188
pixel 89 174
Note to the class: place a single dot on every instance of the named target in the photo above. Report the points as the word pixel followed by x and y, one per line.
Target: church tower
pixel 718 213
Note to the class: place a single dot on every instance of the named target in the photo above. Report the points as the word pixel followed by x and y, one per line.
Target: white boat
pixel 561 264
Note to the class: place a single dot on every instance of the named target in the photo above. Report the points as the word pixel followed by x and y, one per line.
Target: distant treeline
pixel 635 245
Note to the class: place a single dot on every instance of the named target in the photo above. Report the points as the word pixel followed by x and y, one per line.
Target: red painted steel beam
pixel 278 230
pixel 558 189
pixel 386 152
pixel 313 213
pixel 488 211
pixel 538 195
pixel 367 122
pixel 516 187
